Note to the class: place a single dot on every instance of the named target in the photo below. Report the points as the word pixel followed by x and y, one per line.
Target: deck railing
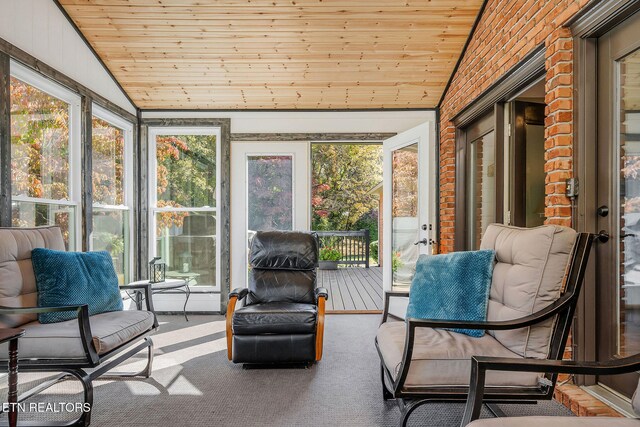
pixel 353 245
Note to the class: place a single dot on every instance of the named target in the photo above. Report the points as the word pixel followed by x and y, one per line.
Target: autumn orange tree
pixel 343 176
pixel 39 153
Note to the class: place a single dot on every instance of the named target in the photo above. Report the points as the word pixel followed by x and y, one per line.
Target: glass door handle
pixel 424 241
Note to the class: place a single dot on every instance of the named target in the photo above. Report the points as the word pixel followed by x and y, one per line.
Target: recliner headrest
pixel 284 250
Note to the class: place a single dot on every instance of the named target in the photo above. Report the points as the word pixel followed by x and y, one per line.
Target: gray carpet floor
pixel 194 384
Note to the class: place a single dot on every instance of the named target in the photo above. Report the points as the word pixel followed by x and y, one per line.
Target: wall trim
pixel 86 171
pixel 600 16
pixel 5 141
pixel 282 110
pixel 320 137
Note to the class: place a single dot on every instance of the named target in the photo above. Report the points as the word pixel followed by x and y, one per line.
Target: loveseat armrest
pixel 83 323
pixel 39 310
pixel 481 364
pixel 148 295
pixel 565 302
pixel 387 299
pixel 321 293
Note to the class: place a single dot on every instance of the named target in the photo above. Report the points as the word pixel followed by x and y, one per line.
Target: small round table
pixel 180 285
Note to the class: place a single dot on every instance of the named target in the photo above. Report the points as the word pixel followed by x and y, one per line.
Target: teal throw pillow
pixel 75 278
pixel 452 286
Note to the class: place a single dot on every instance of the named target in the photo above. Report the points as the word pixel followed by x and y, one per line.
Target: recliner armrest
pixel 239 293
pixel 321 292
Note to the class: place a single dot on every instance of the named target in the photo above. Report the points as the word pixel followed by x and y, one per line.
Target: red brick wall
pixel 507 32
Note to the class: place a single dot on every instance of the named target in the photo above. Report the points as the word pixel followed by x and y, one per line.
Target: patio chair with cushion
pixel 279 318
pixel 534 289
pixel 85 347
pixel 480 366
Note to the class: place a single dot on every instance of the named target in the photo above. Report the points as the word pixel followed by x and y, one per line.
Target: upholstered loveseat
pixel 99 341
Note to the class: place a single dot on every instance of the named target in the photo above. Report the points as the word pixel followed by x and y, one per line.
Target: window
pixel 111 175
pixel 45 154
pixel 183 202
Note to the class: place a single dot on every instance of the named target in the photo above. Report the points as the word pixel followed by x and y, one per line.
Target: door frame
pixel 587 27
pixel 301 155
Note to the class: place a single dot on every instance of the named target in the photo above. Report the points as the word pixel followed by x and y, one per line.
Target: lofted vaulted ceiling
pixel 278 54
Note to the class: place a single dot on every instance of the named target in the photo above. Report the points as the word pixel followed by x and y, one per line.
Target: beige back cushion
pixel 528 276
pixel 17 280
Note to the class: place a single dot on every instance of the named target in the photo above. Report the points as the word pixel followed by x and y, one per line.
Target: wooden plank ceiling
pixel 278 54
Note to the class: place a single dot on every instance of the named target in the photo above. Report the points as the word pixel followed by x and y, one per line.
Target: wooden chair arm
pixel 231 307
pixel 322 298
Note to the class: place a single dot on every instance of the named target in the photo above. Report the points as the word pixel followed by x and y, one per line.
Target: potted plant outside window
pixel 329 258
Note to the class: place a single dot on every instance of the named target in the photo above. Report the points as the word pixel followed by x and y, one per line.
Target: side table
pixel 160 287
pixel 12 336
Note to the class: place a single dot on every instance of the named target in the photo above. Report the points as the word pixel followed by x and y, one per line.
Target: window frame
pixel 56 90
pixel 127 127
pixel 152 133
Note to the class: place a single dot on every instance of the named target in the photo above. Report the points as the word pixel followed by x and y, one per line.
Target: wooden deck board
pixel 353 288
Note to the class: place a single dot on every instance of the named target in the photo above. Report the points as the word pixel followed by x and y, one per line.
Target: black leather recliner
pixel 279 318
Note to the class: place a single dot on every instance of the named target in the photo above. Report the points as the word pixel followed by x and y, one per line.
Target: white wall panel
pixel 39 28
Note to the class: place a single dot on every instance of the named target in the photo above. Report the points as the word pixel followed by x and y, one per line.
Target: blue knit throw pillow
pixel 75 278
pixel 453 286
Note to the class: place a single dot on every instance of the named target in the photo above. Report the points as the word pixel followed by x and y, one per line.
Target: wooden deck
pixel 352 288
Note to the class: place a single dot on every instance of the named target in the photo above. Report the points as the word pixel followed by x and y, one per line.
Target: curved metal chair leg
pixel 408 409
pixel 87 386
pixel 145 372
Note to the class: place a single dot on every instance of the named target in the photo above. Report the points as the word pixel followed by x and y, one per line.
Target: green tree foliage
pixel 186 175
pixel 343 176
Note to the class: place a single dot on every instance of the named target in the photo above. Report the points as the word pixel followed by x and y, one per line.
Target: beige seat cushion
pixel 62 340
pixel 555 422
pixel 17 280
pixel 528 276
pixel 443 358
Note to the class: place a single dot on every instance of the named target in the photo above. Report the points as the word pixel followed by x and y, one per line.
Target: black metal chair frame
pixel 480 366
pixel 563 309
pixel 78 368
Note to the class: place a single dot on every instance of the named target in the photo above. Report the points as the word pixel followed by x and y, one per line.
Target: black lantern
pixel 156 270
